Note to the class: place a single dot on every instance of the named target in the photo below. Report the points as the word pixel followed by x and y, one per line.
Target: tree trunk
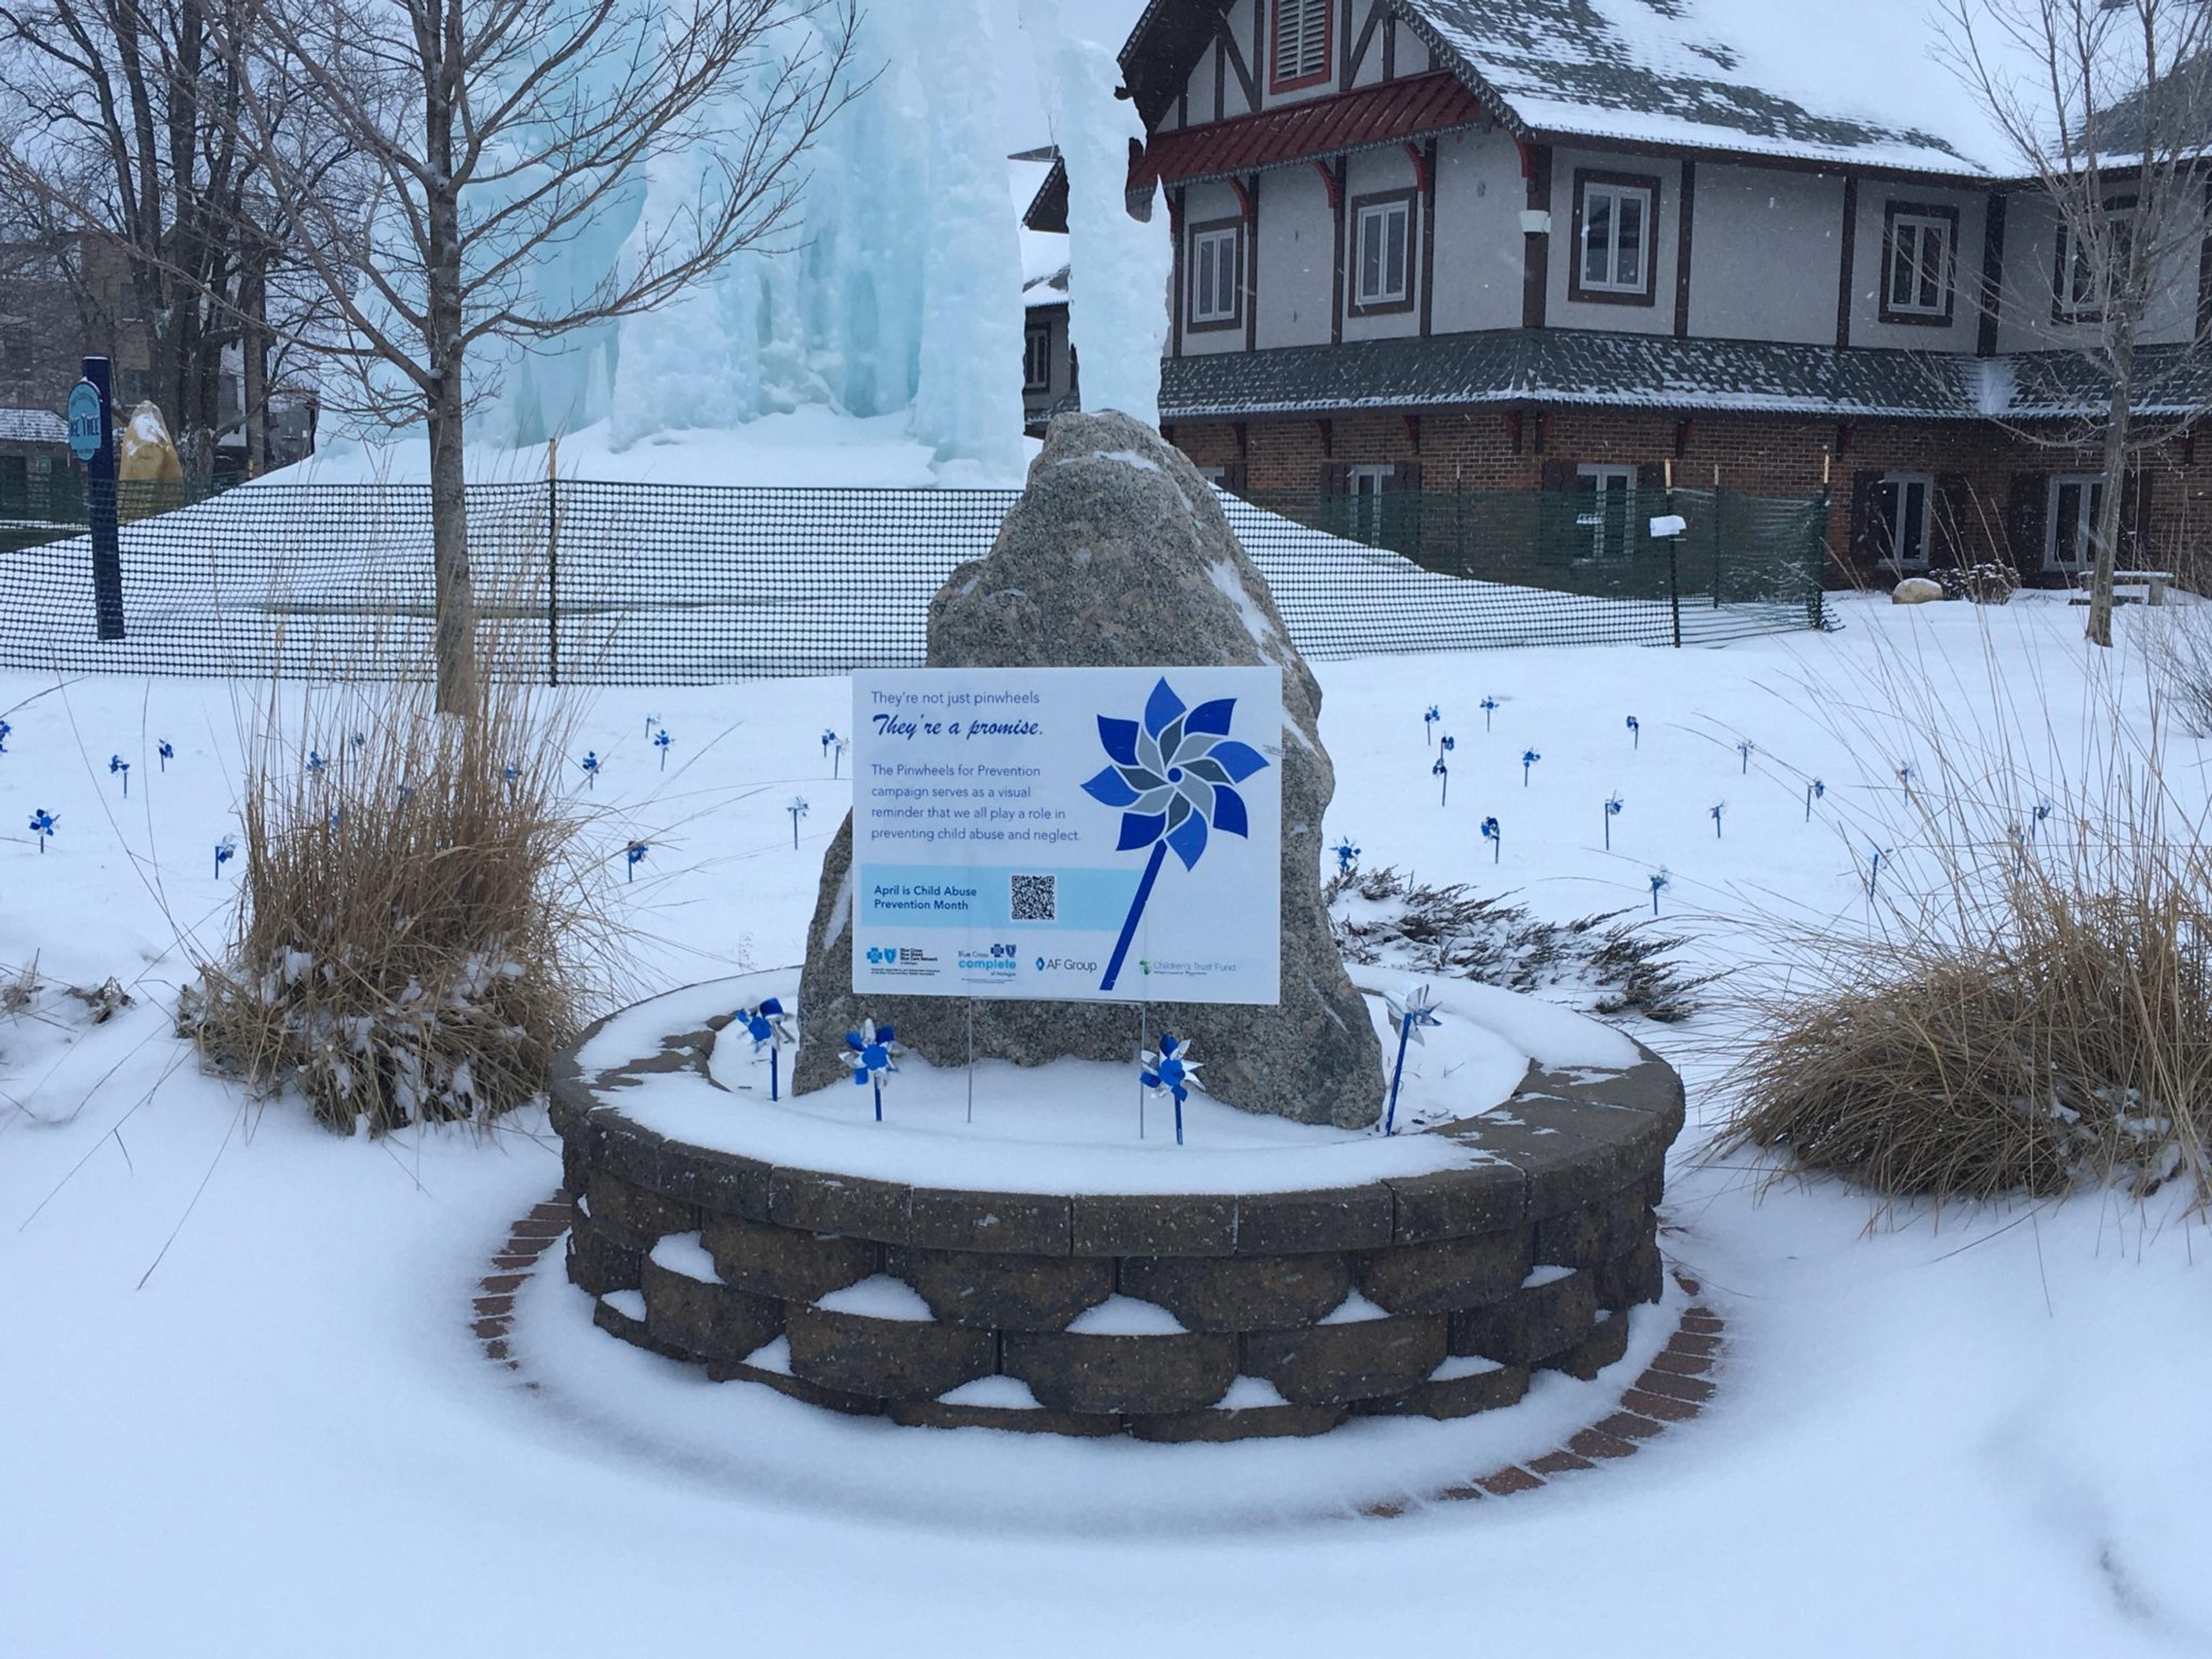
pixel 2105 536
pixel 253 352
pixel 454 639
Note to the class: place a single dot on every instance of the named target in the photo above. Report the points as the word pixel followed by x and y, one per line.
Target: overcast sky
pixel 1022 112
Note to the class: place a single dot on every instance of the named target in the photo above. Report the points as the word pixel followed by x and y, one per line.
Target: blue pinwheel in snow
pixel 511 774
pixel 166 753
pixel 1173 778
pixel 661 741
pixel 769 1025
pixel 4 729
pixel 1660 882
pixel 797 808
pixel 1347 856
pixel 634 854
pixel 1612 812
pixel 1496 837
pixel 1170 1070
pixel 869 1051
pixel 1635 732
pixel 1429 722
pixel 42 827
pixel 315 762
pixel 1411 1011
pixel 1448 743
pixel 1746 748
pixel 1443 788
pixel 225 850
pixel 590 765
pixel 116 764
pixel 836 755
pixel 1489 708
pixel 1814 791
pixel 829 737
pixel 1528 759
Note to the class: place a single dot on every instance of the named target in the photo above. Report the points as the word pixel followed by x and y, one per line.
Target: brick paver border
pixel 1675 1388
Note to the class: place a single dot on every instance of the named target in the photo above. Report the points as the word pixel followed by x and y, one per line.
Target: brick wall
pixel 1992 483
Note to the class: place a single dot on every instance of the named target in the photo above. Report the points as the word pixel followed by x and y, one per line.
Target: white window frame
pixel 1919 227
pixel 1367 485
pixel 1206 287
pixel 1608 478
pixel 1647 204
pixel 1375 221
pixel 2068 303
pixel 2091 487
pixel 1904 483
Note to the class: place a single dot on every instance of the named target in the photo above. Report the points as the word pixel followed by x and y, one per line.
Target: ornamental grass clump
pixel 2024 1006
pixel 418 929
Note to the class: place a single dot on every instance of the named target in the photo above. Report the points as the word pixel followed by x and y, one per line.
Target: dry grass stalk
pixel 2028 1006
pixel 418 929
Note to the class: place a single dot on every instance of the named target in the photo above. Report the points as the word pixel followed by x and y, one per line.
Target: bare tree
pixel 492 132
pixel 2108 106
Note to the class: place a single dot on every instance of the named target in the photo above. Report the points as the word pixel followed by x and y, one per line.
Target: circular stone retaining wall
pixel 1433 1294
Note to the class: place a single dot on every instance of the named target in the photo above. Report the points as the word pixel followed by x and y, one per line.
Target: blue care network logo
pixel 881 954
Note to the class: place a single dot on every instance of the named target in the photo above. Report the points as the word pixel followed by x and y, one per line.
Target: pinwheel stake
pixel 1744 749
pixel 1660 882
pixel 1874 871
pixel 2035 823
pixel 1489 708
pixel 1612 812
pixel 4 729
pixel 797 810
pixel 651 720
pixel 1814 791
pixel 512 774
pixel 116 764
pixel 225 850
pixel 1172 1072
pixel 661 741
pixel 1347 856
pixel 836 755
pixel 634 855
pixel 1528 759
pixel 1635 732
pixel 1495 836
pixel 869 1052
pixel 1904 777
pixel 1411 1011
pixel 1429 724
pixel 829 737
pixel 1714 813
pixel 770 1027
pixel 590 765
pixel 1440 770
pixel 166 753
pixel 1172 777
pixel 315 763
pixel 42 826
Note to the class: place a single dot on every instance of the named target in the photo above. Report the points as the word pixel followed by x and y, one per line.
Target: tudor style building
pixel 1479 244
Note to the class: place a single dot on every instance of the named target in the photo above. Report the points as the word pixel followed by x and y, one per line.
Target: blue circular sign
pixel 86 432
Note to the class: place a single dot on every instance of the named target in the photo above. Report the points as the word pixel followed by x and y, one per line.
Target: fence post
pixel 1816 612
pixel 553 562
pixel 1719 499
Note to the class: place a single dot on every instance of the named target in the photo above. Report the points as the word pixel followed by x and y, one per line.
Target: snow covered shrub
pixel 1983 584
pixel 416 933
pixel 1380 915
pixel 2026 1004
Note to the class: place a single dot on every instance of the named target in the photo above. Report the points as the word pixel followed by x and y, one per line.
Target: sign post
pixel 92 440
pixel 1080 834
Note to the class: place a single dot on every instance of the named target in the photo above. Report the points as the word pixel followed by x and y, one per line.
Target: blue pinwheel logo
pixel 1173 778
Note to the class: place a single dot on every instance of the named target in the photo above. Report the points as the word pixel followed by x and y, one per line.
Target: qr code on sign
pixel 1033 898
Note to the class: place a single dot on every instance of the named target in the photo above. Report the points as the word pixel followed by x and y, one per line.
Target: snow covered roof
pixel 1667 71
pixel 1050 289
pixel 1582 367
pixel 33 426
pixel 1863 82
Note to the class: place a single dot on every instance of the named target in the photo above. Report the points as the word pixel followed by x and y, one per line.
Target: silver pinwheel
pixel 1411 1011
pixel 1170 1070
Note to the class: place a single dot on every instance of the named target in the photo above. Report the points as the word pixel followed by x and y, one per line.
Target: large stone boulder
pixel 1117 556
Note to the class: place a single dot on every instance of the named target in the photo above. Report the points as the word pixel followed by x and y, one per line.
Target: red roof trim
pixel 1386 113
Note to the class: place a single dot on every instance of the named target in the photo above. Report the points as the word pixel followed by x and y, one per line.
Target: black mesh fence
pixel 630 584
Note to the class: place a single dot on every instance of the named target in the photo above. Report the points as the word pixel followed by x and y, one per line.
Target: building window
pixel 2081 271
pixel 2069 527
pixel 1903 504
pixel 1366 485
pixel 1383 252
pixel 1217 274
pixel 1615 229
pixel 1609 517
pixel 1919 250
pixel 136 386
pixel 127 302
pixel 1301 48
pixel 1037 360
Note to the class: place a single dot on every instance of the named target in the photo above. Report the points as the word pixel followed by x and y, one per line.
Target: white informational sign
pixel 1071 834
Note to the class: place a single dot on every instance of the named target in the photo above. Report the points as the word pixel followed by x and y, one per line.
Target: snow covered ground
pixel 240 1411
